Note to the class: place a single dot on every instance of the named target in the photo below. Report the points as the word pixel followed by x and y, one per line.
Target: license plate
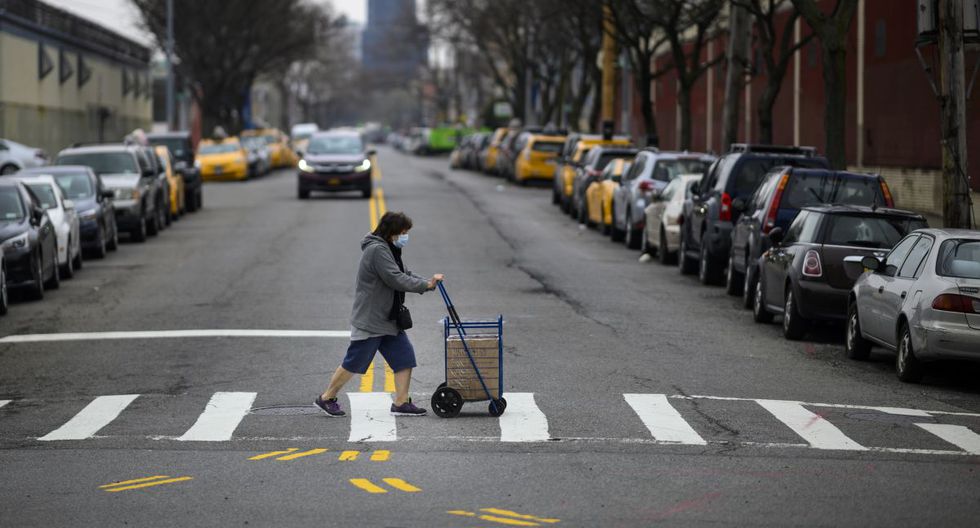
pixel 333 181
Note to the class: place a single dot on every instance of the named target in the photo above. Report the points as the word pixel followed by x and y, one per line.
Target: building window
pixel 881 39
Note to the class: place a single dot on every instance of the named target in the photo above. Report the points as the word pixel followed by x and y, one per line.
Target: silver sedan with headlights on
pixel 922 301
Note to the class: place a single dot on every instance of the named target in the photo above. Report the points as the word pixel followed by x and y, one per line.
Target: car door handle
pixel 881 289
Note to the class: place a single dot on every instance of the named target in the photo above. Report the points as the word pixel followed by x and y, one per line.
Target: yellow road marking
pixel 508 521
pixel 134 481
pixel 382 209
pixel 389 379
pixel 149 484
pixel 274 453
pixel 498 511
pixel 348 455
pixel 462 513
pixel 367 485
pixel 400 484
pixel 367 379
pixel 380 455
pixel 302 454
pixel 373 212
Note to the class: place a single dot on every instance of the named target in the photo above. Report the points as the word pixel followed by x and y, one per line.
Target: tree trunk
pixel 739 33
pixel 774 83
pixel 684 101
pixel 644 86
pixel 835 95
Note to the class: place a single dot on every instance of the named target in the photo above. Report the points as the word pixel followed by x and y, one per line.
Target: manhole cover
pixel 285 410
pixel 881 417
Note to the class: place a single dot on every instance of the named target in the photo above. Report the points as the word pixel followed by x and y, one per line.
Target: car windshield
pixel 253 143
pixel 813 189
pixel 878 232
pixel 666 170
pixel 11 208
pixel 45 194
pixel 103 162
pixel 76 186
pixel 335 145
pixel 221 148
pixel 959 258
pixel 177 146
pixel 270 139
pixel 547 146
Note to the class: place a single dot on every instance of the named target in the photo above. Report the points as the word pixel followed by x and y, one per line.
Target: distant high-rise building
pixel 394 43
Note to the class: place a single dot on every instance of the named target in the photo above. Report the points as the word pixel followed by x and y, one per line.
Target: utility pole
pixel 738 41
pixel 956 190
pixel 170 65
pixel 608 72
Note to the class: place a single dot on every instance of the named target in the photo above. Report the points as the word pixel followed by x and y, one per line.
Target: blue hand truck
pixel 474 359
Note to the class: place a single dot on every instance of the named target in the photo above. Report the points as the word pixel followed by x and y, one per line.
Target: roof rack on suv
pixel 774 149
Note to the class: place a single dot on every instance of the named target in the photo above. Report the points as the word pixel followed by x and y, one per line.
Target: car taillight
pixel 888 194
pixel 811 264
pixel 951 302
pixel 646 186
pixel 774 206
pixel 725 213
pixel 593 173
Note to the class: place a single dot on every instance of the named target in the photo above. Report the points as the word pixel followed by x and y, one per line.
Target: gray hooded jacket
pixel 378 277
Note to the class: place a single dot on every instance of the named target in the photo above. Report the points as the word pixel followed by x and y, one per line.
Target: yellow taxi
pixel 222 159
pixel 599 195
pixel 537 159
pixel 280 154
pixel 490 163
pixel 174 181
pixel 582 148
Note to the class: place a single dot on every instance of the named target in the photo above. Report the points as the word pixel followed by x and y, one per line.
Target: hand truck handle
pixel 453 315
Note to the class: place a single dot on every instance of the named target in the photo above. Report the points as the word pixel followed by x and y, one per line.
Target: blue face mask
pixel 401 241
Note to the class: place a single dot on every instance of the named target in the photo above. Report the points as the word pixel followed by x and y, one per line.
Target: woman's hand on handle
pixel 437 278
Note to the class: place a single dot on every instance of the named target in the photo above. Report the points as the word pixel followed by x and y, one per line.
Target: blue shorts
pixel 397 351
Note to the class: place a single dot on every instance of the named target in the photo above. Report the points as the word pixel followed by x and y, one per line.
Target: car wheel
pixel 794 325
pixel 199 200
pixel 645 248
pixel 367 192
pixel 163 215
pixel 8 169
pixel 583 214
pixel 685 264
pixel 68 270
pixel 632 235
pixel 748 286
pixel 37 291
pixel 616 234
pixel 100 250
pixel 908 368
pixel 113 243
pixel 663 252
pixel 140 231
pixel 855 345
pixel 733 279
pixel 707 271
pixel 55 281
pixel 555 197
pixel 302 193
pixel 759 312
pixel 4 300
pixel 78 259
pixel 153 226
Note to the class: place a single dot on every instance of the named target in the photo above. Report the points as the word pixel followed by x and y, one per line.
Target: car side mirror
pixel 696 189
pixel 372 152
pixel 37 214
pixel 739 205
pixel 775 236
pixel 108 194
pixel 69 205
pixel 872 263
pixel 149 174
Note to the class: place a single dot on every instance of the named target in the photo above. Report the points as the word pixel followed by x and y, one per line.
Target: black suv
pixel 777 201
pixel 706 231
pixel 182 148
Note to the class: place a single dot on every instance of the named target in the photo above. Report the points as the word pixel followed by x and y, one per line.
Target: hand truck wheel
pixel 446 402
pixel 497 407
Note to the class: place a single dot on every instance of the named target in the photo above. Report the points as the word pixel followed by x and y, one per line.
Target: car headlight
pixel 127 194
pixel 87 215
pixel 17 242
pixel 304 166
pixel 365 165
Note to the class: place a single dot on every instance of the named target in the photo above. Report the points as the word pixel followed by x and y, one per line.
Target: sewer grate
pixel 286 410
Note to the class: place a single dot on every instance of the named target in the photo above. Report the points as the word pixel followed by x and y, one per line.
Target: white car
pixel 14 157
pixel 662 229
pixel 61 211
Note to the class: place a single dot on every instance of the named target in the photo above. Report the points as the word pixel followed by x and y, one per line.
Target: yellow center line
pixel 348 455
pixel 462 513
pixel 380 455
pixel 400 484
pixel 367 379
pixel 508 521
pixel 367 485
pixel 294 456
pixel 134 481
pixel 389 379
pixel 498 511
pixel 150 484
pixel 274 453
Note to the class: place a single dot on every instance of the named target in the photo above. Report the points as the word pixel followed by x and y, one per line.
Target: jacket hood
pixel 371 240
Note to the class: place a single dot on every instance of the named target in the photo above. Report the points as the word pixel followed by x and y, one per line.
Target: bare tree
pixel 832 30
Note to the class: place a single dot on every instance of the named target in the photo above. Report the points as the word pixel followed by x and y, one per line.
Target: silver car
pixel 922 301
pixel 662 230
pixel 14 157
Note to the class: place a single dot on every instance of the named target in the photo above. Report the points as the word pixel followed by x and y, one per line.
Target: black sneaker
pixel 331 407
pixel 407 409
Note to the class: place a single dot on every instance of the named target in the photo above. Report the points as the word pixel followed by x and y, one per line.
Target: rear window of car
pixel 749 173
pixel 179 147
pixel 102 162
pixel 547 146
pixel 877 232
pixel 606 159
pixel 666 170
pixel 803 190
pixel 10 207
pixel 221 148
pixel 959 258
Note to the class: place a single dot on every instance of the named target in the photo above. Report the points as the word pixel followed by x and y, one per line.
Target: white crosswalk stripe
pixel 4 402
pixel 523 421
pixel 221 417
pixel 957 435
pixel 662 419
pixel 93 417
pixel 817 431
pixel 370 417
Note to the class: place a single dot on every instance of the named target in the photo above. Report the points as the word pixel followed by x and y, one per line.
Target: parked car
pixel 706 231
pixel 128 172
pixel 590 170
pixel 162 196
pixel 457 158
pixel 61 212
pixel 335 161
pixel 804 275
pixel 599 195
pixel 536 159
pixel 652 170
pixel 490 154
pixel 222 159
pixel 28 239
pixel 922 301
pixel 14 157
pixel 663 218
pixel 776 202
pixel 280 155
pixel 474 155
pixel 507 154
pixel 175 184
pixel 568 165
pixel 257 156
pixel 182 148
pixel 93 205
pixel 300 134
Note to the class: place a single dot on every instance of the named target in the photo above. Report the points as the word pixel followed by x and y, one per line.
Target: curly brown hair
pixel 391 225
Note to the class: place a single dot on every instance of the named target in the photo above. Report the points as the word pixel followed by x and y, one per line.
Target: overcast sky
pixel 122 17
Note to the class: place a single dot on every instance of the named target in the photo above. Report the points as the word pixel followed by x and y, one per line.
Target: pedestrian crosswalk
pixel 665 419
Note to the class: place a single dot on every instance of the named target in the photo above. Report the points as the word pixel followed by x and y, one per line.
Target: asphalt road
pixel 636 396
